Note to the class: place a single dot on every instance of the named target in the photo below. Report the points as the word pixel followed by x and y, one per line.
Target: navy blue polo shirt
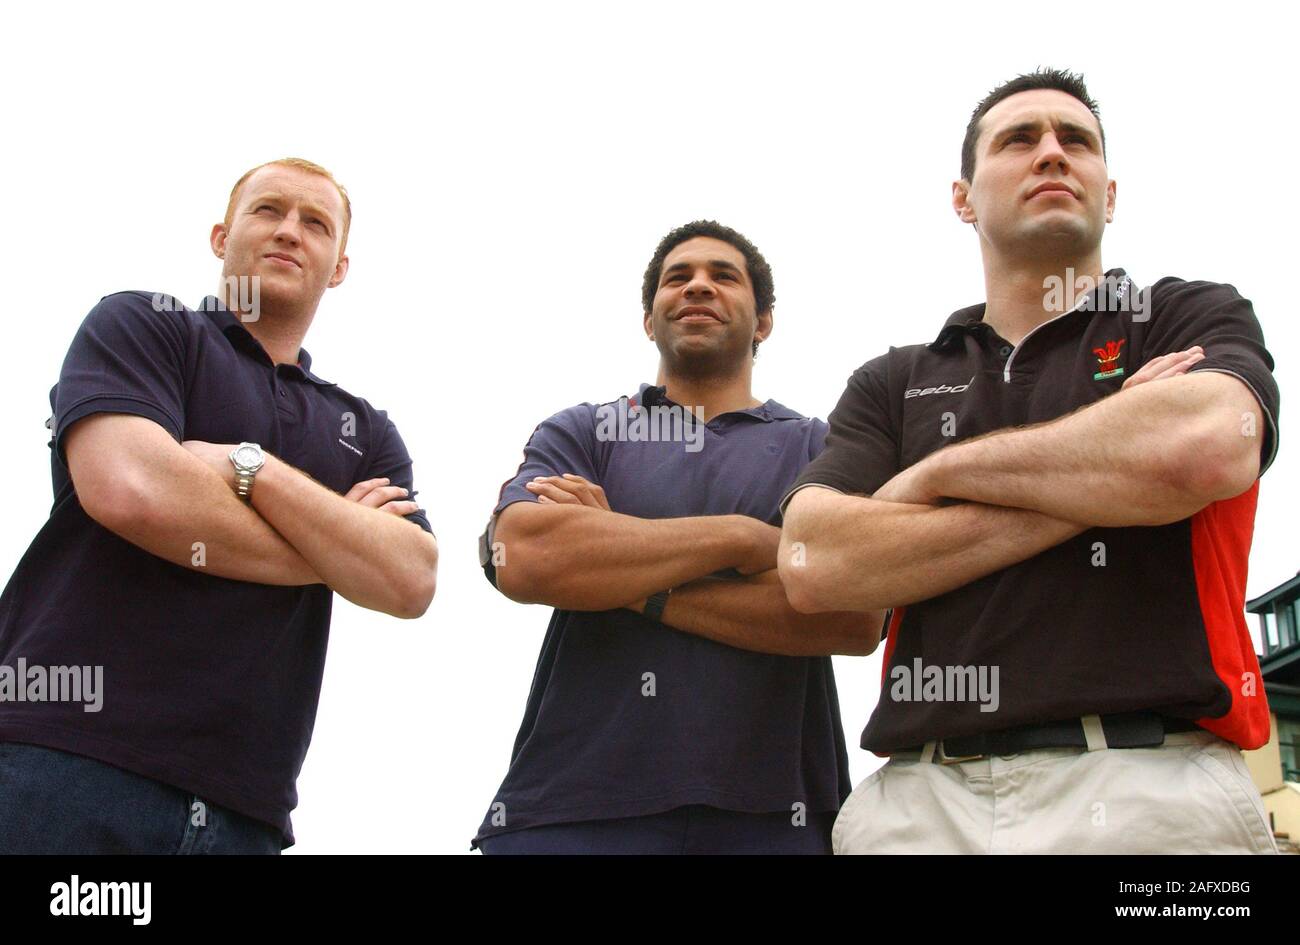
pixel 725 727
pixel 209 684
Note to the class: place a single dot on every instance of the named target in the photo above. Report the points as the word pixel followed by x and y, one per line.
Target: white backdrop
pixel 512 167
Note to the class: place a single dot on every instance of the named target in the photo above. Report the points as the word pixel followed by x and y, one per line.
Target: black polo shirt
pixel 1153 622
pixel 628 716
pixel 209 685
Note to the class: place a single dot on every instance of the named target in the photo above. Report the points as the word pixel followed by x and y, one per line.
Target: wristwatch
pixel 654 605
pixel 247 458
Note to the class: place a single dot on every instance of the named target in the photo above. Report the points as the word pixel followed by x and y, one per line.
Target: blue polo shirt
pixel 209 684
pixel 725 727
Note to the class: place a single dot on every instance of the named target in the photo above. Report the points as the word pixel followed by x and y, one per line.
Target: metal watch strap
pixel 244 485
pixel 654 605
pixel 245 475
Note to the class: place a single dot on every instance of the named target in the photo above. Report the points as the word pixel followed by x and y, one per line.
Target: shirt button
pixel 1004 350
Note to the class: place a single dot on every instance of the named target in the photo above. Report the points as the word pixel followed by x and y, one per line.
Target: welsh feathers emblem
pixel 1106 360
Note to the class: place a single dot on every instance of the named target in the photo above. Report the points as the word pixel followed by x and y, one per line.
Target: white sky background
pixel 512 167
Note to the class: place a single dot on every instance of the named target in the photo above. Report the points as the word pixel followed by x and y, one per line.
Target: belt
pixel 1123 730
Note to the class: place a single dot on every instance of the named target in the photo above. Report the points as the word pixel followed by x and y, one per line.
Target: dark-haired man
pixel 680 704
pixel 211 491
pixel 1056 497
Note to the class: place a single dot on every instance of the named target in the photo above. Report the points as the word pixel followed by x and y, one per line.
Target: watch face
pixel 247 456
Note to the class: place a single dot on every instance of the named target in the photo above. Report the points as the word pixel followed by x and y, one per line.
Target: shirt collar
pixel 231 327
pixel 1108 296
pixel 766 412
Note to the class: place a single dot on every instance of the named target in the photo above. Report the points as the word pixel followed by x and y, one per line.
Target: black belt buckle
pixel 1134 730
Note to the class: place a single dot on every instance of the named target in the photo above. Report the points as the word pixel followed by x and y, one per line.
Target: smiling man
pixel 1056 497
pixel 680 704
pixel 211 492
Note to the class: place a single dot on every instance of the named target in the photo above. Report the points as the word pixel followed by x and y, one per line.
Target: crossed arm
pixel 569 550
pixel 165 497
pixel 1150 454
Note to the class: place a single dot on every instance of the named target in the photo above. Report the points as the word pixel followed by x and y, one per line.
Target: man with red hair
pixel 211 492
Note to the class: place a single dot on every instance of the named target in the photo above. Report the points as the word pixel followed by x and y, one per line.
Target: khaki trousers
pixel 1191 795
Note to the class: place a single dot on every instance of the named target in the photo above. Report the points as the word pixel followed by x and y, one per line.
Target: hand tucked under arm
pixel 570 551
pixel 358 544
pixel 1147 455
pixel 898 547
pixel 136 481
pixel 373 558
pixel 843 552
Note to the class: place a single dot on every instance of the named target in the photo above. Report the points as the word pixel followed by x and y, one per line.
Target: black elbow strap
pixel 486 551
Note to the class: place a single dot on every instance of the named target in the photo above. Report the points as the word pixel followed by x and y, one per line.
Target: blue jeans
pixel 55 802
pixel 693 829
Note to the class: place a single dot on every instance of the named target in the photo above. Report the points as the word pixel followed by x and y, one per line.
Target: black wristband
pixel 654 605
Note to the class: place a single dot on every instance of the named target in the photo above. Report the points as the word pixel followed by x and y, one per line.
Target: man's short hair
pixel 303 165
pixel 1041 78
pixel 760 273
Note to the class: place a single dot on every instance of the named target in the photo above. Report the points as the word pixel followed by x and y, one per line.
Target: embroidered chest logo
pixel 1106 360
pixel 941 389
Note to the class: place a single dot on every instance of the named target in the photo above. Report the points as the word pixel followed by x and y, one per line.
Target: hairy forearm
pixel 580 558
pixel 852 553
pixel 374 559
pixel 1151 455
pixel 204 527
pixel 754 613
pixel 173 505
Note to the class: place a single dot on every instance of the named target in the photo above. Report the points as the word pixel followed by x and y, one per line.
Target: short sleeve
pixel 392 461
pixel 817 439
pixel 1214 316
pixel 128 356
pixel 861 446
pixel 564 443
pixel 861 451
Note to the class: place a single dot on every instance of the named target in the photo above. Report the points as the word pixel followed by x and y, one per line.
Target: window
pixel 1288 740
pixel 1269 627
pixel 1288 630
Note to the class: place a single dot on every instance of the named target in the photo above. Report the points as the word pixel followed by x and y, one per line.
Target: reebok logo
pixel 941 389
